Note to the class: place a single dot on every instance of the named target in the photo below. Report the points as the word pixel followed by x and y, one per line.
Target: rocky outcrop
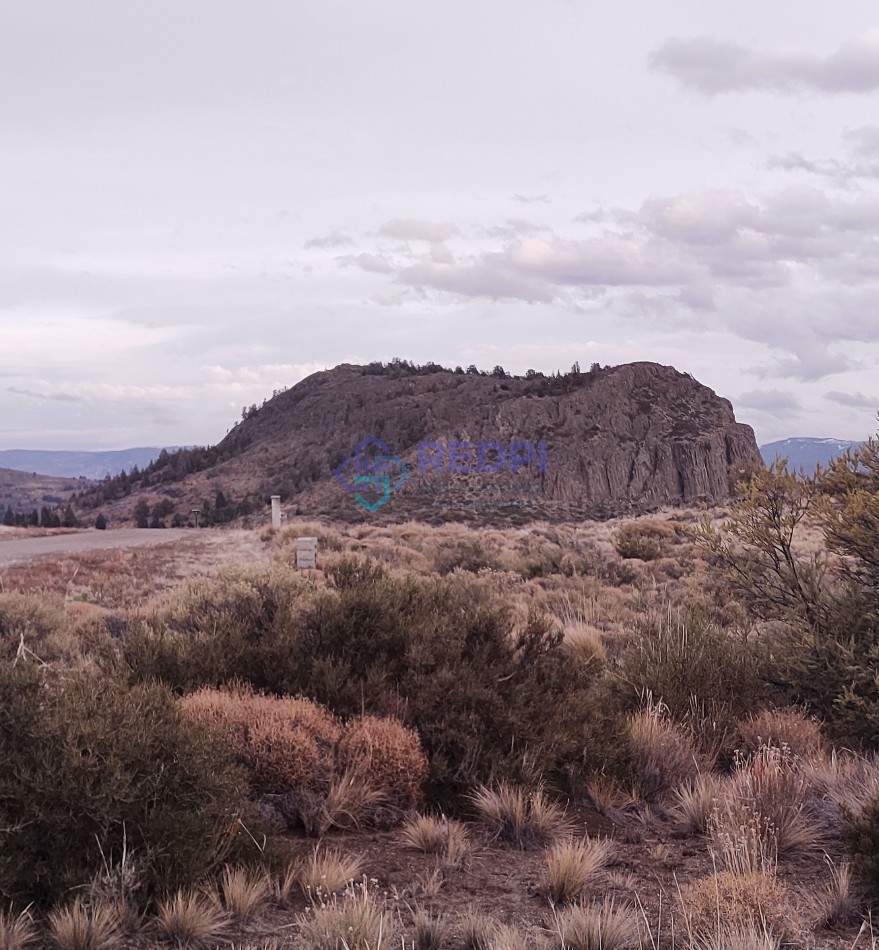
pixel 615 440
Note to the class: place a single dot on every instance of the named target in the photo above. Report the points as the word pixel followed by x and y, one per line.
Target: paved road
pixel 16 550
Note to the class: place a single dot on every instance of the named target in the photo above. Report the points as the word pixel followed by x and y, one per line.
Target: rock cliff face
pixel 612 441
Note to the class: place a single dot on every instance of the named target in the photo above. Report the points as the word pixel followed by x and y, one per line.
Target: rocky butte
pixel 614 440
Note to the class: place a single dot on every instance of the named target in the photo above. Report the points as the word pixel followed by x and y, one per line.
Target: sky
pixel 204 201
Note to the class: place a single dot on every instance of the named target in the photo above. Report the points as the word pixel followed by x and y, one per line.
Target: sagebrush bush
pixel 213 631
pixel 90 767
pixel 36 626
pixel 487 699
pixel 646 540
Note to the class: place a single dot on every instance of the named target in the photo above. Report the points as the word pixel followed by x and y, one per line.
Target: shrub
pixel 243 891
pixel 486 699
pixel 646 540
pixel 862 839
pixel 664 754
pixel 35 625
pixel 700 674
pixel 285 742
pixel 783 728
pixel 525 819
pixel 370 770
pixel 213 631
pixel 101 522
pixel 570 866
pixel 387 755
pixel 92 767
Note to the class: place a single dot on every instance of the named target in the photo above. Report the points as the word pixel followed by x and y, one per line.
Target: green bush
pixel 862 839
pixel 437 653
pixel 215 630
pixel 91 767
pixel 705 677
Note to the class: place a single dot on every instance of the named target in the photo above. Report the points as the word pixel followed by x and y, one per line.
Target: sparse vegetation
pixel 578 716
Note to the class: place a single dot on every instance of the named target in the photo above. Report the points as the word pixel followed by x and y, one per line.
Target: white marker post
pixel 276 512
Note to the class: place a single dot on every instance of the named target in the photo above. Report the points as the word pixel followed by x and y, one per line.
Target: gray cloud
pixel 711 65
pixel 770 400
pixel 411 229
pixel 331 240
pixel 542 199
pixel 57 397
pixel 855 400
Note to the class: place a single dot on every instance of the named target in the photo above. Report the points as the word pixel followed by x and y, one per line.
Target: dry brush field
pixel 568 736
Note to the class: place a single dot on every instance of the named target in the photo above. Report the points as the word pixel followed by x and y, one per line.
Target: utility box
pixel 306 552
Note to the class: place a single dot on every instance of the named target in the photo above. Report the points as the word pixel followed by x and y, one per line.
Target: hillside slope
pixel 628 438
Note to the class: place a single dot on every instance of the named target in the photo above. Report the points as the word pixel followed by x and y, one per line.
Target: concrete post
pixel 276 511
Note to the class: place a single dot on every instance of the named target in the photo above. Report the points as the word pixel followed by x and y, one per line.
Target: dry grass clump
pixel 355 920
pixel 17 931
pixel 695 803
pixel 388 755
pixel 584 643
pixel 750 936
pixel 527 819
pixel 286 742
pixel 837 901
pixel 600 925
pixel 77 927
pixel 570 866
pixel 664 753
pixel 328 871
pixel 190 919
pixel 34 625
pixel 477 931
pixel 430 835
pixel 788 729
pixel 728 901
pixel 429 931
pixel 769 789
pixel 244 891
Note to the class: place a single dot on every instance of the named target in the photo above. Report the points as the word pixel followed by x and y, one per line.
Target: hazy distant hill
pixel 616 439
pixel 76 464
pixel 805 454
pixel 24 491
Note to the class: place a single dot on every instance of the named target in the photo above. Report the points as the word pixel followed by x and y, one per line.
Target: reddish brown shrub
pixel 286 742
pixel 388 755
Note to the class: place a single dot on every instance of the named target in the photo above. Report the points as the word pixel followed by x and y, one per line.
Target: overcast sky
pixel 205 200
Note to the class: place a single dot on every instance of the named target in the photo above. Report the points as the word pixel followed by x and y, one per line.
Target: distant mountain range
pixel 77 464
pixel 805 454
